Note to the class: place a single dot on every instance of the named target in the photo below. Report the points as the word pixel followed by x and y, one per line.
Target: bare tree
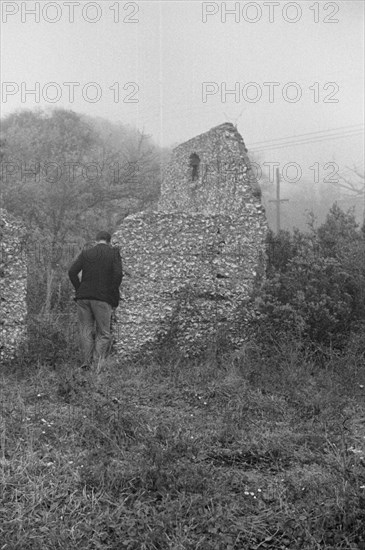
pixel 353 182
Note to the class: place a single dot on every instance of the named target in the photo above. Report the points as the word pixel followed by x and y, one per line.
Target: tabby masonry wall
pixel 192 264
pixel 13 285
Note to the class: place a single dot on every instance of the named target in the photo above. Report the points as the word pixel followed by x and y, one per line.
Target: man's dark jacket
pixel 102 274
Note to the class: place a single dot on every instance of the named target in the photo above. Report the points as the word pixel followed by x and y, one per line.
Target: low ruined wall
pixel 188 278
pixel 13 285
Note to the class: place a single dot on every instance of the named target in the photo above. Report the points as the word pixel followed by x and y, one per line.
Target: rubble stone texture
pixel 192 263
pixel 13 285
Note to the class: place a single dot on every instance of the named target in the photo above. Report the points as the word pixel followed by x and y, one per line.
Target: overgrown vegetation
pixel 261 448
pixel 248 454
pixel 315 288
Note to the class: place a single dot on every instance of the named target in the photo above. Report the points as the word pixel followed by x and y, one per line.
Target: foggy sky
pixel 298 69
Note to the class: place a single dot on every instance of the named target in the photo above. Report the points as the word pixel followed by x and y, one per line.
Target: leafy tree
pixel 65 178
pixel 39 184
pixel 339 229
pixel 341 239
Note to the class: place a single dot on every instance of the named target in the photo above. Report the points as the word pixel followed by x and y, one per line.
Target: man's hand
pixel 74 271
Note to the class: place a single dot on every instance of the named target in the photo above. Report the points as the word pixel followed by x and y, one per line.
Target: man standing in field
pixel 97 293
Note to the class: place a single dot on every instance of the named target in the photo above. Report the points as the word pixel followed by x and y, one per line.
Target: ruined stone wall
pixel 13 285
pixel 192 264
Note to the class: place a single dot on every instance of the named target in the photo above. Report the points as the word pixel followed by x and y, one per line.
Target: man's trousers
pixel 94 325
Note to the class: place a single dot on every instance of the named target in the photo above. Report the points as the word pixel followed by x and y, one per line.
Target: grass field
pixel 247 451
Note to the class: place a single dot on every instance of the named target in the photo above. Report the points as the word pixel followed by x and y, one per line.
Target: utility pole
pixel 278 201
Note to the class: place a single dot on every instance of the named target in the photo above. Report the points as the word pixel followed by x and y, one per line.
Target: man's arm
pixel 74 271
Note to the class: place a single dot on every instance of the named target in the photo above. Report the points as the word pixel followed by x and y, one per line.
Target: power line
pixel 266 145
pixel 324 132
pixel 307 141
pixel 300 143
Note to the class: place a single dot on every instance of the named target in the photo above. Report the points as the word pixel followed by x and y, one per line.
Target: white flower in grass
pixel 355 451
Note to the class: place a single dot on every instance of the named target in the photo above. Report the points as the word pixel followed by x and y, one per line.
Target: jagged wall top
pixel 210 174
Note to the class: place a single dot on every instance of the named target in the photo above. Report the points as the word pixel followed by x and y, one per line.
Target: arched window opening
pixel 194 165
